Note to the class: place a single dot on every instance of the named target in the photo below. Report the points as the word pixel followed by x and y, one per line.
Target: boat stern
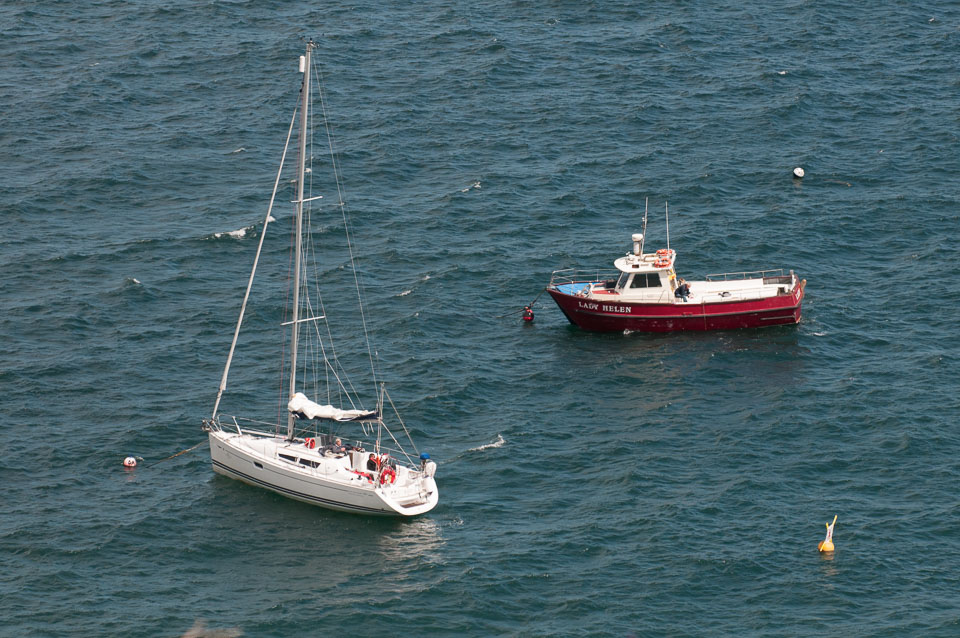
pixel 419 497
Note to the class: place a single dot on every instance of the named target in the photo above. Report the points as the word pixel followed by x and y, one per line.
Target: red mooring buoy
pixel 527 313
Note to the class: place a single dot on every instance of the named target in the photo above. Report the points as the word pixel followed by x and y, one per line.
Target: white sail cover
pixel 300 404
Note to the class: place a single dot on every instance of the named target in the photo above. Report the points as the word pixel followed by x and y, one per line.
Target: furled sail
pixel 303 407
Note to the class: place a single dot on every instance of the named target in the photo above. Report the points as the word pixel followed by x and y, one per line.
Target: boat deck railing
pixel 771 276
pixel 233 424
pixel 574 276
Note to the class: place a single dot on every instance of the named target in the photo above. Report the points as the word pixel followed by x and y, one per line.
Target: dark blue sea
pixel 591 484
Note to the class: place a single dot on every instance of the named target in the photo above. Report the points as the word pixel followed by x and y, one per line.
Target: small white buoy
pixel 129 462
pixel 798 173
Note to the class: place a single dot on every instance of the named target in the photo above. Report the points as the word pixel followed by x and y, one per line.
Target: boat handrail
pixel 575 276
pixel 241 430
pixel 394 452
pixel 747 274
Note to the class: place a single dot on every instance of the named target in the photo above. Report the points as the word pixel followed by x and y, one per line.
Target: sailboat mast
pixel 295 325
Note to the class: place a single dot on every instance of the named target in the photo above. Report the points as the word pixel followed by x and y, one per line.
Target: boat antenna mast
pixel 646 202
pixel 301 166
pixel 666 208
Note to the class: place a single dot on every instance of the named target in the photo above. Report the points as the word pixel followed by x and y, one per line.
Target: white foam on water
pixel 200 630
pixel 498 443
pixel 404 293
pixel 236 234
pixel 239 150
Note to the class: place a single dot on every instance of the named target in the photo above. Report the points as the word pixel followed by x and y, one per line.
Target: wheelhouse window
pixel 646 280
pixel 623 279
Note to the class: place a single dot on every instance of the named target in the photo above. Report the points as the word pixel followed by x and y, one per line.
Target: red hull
pixel 616 316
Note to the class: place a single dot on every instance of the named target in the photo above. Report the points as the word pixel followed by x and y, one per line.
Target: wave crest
pixel 486 446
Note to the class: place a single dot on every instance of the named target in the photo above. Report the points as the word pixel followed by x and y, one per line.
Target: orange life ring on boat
pixel 661 263
pixel 388 472
pixel 663 252
pixel 310 443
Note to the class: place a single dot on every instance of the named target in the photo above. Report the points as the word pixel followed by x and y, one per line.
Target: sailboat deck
pixel 350 468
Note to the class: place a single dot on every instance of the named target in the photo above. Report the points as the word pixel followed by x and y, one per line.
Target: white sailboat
pixel 306 460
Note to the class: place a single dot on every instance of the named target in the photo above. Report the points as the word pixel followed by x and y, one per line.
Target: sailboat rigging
pixel 305 462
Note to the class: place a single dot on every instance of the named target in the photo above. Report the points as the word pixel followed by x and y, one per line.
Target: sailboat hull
pixel 256 461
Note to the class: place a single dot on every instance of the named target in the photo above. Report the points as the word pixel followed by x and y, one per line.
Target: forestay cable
pixel 246 296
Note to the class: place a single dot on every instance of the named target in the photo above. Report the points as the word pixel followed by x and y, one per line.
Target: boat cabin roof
pixel 647 262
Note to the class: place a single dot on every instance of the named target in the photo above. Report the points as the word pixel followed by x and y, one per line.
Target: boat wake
pixel 498 443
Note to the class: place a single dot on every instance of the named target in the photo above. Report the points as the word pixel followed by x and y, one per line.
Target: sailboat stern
pixel 414 491
pixel 419 497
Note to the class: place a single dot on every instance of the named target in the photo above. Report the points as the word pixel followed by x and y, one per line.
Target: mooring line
pixel 530 305
pixel 189 449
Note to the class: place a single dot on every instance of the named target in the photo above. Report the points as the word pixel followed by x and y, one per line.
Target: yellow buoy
pixel 826 545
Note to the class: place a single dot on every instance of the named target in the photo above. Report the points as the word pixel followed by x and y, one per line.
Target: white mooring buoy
pixel 798 173
pixel 129 462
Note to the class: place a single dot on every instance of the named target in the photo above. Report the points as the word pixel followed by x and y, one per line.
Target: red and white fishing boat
pixel 641 295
